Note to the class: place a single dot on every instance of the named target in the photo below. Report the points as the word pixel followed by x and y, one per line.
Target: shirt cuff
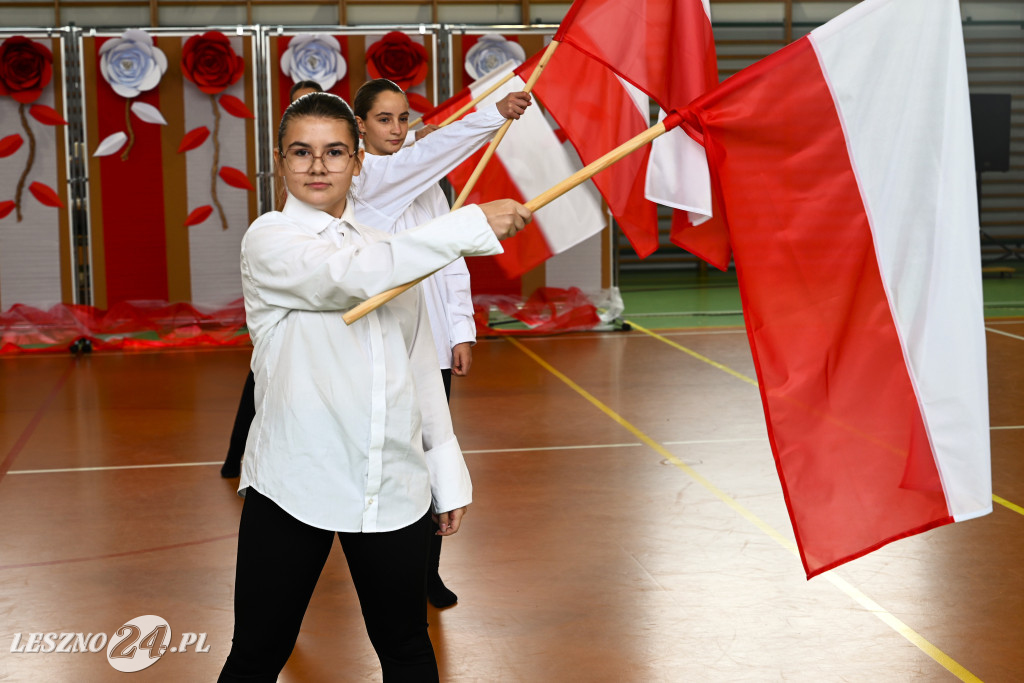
pixel 463 330
pixel 450 485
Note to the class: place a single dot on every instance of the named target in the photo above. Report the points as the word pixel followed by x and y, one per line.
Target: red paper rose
pixel 209 61
pixel 26 67
pixel 399 59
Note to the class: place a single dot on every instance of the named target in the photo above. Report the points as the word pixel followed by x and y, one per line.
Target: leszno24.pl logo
pixel 138 644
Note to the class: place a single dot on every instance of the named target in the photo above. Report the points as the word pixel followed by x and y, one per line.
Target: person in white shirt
pixel 383 192
pixel 382 113
pixel 350 435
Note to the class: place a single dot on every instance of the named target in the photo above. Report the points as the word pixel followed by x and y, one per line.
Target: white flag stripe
pixel 536 161
pixel 678 175
pixel 898 78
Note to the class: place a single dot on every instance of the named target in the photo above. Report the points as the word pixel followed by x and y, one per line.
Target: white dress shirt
pixel 352 432
pixel 399 191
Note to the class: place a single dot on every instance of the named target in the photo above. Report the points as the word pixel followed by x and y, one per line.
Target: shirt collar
pixel 315 221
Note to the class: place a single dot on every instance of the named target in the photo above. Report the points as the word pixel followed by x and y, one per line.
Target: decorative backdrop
pixel 172 166
pixel 35 255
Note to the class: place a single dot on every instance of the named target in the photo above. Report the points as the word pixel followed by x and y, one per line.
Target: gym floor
pixel 628 525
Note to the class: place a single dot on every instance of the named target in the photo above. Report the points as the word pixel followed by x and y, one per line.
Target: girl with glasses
pixel 350 436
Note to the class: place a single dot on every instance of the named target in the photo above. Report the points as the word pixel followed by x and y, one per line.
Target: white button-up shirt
pixel 352 432
pixel 399 191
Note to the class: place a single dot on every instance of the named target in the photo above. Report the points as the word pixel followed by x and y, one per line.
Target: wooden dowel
pixel 541 200
pixel 493 147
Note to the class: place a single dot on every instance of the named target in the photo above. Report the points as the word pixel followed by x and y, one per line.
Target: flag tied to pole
pixel 846 169
pixel 843 176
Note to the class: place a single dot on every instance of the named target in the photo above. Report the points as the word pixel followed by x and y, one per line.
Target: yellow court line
pixel 705 359
pixel 1016 508
pixel 870 605
pixel 1008 505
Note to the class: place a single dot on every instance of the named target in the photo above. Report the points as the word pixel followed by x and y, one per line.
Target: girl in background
pixel 399 190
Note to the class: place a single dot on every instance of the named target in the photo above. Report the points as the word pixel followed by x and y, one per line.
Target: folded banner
pixel 529 160
pixel 846 168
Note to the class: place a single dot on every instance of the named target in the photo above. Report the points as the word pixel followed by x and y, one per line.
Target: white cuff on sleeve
pixel 450 485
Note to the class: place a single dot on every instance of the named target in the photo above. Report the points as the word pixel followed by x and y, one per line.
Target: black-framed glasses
pixel 334 160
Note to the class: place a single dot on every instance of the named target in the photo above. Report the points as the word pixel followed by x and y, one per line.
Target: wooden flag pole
pixel 475 101
pixel 491 148
pixel 541 200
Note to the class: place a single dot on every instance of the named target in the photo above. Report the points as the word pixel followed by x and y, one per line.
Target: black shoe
pixel 231 468
pixel 439 595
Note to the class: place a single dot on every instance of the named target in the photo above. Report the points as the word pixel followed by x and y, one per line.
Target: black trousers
pixel 243 420
pixel 279 563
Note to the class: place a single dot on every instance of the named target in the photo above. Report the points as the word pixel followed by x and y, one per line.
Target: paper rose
pixel 26 67
pixel 490 52
pixel 314 57
pixel 132 64
pixel 399 59
pixel 209 61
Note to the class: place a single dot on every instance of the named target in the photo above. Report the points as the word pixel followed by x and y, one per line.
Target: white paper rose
pixel 132 64
pixel 314 57
pixel 490 52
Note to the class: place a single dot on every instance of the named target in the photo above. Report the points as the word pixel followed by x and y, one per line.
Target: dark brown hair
pixel 318 105
pixel 367 95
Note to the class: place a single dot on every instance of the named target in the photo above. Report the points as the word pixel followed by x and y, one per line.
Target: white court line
pixel 115 467
pixel 553 448
pixel 684 443
pixel 1005 334
pixel 678 313
pixel 220 462
pixel 475 452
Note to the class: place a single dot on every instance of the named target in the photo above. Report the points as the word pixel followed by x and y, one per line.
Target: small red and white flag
pixel 669 54
pixel 846 169
pixel 529 160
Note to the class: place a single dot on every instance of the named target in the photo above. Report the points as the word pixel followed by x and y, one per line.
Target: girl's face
pixel 318 162
pixel 386 123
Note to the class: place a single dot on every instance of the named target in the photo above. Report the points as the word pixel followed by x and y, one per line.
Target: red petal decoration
pixel 236 107
pixel 47 115
pixel 199 215
pixel 6 208
pixel 418 102
pixel 9 145
pixel 193 139
pixel 45 195
pixel 235 178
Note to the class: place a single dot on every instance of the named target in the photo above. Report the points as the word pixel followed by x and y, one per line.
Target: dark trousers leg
pixel 388 572
pixel 279 563
pixel 439 594
pixel 240 431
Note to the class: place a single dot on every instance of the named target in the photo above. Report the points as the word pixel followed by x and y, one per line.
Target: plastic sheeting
pixel 127 325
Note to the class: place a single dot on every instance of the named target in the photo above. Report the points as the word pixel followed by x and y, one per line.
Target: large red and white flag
pixel 529 160
pixel 668 52
pixel 846 169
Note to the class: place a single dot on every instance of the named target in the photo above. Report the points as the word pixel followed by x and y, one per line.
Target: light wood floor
pixel 628 526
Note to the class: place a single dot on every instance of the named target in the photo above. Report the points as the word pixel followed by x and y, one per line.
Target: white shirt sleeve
pixel 450 484
pixel 453 281
pixel 290 268
pixel 388 184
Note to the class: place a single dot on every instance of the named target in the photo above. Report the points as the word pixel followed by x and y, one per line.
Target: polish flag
pixel 846 170
pixel 668 54
pixel 597 111
pixel 529 160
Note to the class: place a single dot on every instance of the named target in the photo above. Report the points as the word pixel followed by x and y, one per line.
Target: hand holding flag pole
pixel 493 147
pixel 671 121
pixel 472 103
